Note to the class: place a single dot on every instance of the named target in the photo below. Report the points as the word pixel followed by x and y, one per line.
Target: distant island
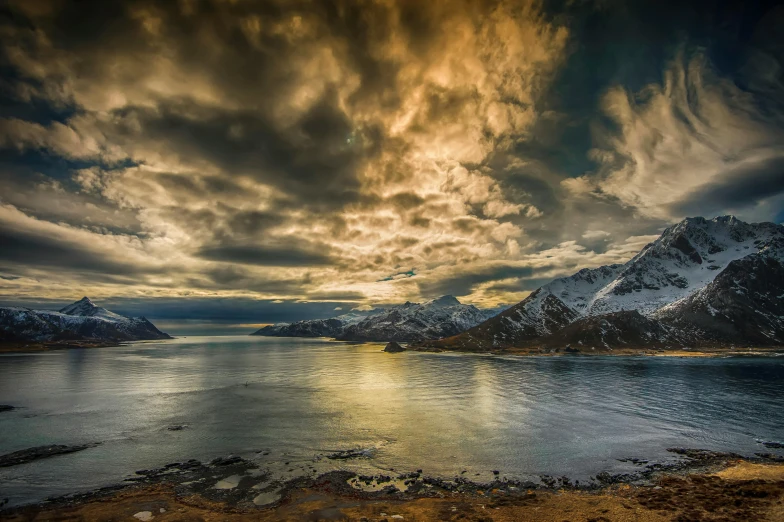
pixel 408 322
pixel 81 324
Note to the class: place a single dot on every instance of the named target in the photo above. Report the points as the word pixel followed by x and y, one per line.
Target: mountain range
pixel 316 327
pixel 715 282
pixel 82 320
pixel 701 283
pixel 408 322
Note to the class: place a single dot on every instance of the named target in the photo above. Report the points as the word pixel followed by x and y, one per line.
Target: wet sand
pixel 741 491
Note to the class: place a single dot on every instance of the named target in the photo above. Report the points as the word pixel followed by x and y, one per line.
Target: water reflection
pixel 443 413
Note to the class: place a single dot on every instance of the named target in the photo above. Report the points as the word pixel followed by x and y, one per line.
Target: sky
pixel 247 162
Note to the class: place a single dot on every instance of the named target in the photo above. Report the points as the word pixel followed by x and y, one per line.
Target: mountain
pixel 407 322
pixel 316 327
pixel 743 305
pixel 81 320
pixel 702 282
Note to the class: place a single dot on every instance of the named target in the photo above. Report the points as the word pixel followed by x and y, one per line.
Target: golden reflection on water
pixel 443 413
pixel 394 399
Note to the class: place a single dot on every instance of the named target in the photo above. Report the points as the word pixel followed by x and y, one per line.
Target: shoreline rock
pixel 191 478
pixel 393 347
pixel 39 452
pixel 351 454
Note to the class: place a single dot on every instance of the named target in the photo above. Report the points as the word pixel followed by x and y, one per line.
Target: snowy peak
pixel 432 319
pixel 695 271
pixel 84 307
pixel 743 304
pixel 355 316
pixel 579 290
pixel 539 314
pixel 695 240
pixel 445 300
pixel 317 327
pixel 81 320
pixel 686 257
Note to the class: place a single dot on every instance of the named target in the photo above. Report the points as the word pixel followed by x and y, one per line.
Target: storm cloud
pixel 357 153
pixel 264 255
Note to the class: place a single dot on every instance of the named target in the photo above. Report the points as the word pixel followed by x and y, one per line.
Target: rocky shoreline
pixel 40 452
pixel 642 351
pixel 45 346
pixel 239 486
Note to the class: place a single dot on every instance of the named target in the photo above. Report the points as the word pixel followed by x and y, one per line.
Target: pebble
pixel 144 516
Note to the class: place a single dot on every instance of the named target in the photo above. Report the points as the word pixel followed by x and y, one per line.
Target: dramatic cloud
pixel 696 141
pixel 339 154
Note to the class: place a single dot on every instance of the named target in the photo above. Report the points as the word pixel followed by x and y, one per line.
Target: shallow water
pixel 300 398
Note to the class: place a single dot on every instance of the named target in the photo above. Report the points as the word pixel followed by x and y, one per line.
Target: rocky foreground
pixel 701 486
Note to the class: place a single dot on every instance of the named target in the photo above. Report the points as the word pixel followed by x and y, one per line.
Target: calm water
pixel 443 413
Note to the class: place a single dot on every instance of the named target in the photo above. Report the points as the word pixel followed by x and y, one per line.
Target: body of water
pixel 300 398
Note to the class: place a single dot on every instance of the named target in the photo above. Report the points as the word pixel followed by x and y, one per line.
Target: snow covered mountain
pixel 433 319
pixel 743 305
pixel 81 320
pixel 702 281
pixel 84 307
pixel 407 322
pixel 316 327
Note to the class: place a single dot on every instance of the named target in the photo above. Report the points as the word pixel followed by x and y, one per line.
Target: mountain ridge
pixel 79 321
pixel 696 269
pixel 407 322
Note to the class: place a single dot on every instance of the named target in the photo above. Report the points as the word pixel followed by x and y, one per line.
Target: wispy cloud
pixel 686 145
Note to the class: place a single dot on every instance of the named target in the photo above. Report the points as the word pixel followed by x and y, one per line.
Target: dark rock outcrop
pixel 742 305
pixel 616 330
pixel 393 347
pixel 39 452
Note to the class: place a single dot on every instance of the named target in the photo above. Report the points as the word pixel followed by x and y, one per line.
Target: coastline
pixel 12 347
pixel 46 346
pixel 768 351
pixel 708 486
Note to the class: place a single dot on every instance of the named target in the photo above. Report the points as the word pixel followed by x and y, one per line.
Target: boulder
pixel 40 452
pixel 393 347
